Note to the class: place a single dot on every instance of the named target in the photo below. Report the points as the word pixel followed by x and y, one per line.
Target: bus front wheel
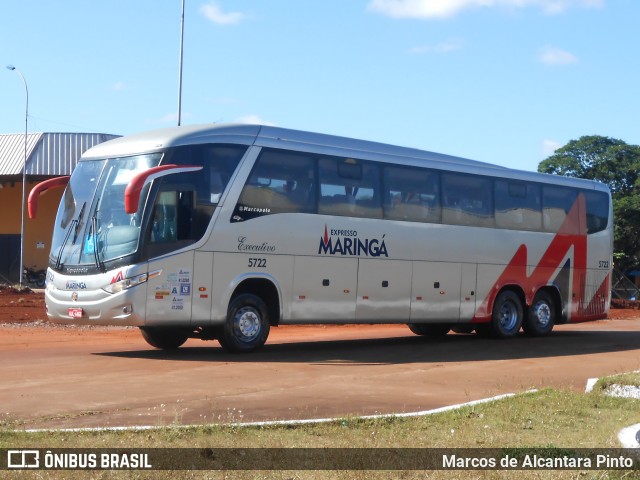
pixel 166 338
pixel 507 316
pixel 247 325
pixel 540 316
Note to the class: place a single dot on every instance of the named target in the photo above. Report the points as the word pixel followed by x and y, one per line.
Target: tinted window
pixel 280 182
pixel 467 200
pixel 518 205
pixel 556 204
pixel 412 195
pixel 349 187
pixel 184 202
pixel 597 211
pixel 219 163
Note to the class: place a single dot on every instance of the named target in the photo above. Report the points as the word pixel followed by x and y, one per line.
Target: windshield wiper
pixel 64 243
pixel 94 232
pixel 75 226
pixel 75 233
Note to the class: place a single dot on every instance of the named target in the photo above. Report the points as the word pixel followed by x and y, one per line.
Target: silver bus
pixel 224 231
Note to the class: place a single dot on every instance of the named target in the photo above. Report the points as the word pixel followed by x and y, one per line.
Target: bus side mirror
pixel 132 192
pixel 39 189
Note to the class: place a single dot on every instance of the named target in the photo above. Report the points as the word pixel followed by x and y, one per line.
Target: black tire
pixel 430 329
pixel 41 280
pixel 484 330
pixel 165 338
pixel 507 315
pixel 463 328
pixel 540 316
pixel 247 326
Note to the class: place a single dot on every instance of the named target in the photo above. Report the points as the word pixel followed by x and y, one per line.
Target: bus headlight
pixel 126 284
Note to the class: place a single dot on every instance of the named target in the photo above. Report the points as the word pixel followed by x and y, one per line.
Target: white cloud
pixel 444 47
pixel 555 7
pixel 213 12
pixel 555 56
pixel 549 147
pixel 118 86
pixel 449 8
pixel 254 119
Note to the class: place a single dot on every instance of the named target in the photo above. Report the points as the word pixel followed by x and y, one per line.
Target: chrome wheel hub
pixel 542 312
pixel 247 323
pixel 508 316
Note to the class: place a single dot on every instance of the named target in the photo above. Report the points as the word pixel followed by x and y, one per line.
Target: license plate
pixel 75 312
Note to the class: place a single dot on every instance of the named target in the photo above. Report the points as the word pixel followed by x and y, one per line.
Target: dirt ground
pixel 64 377
pixel 21 306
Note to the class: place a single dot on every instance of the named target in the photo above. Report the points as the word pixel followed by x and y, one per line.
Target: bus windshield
pixel 91 225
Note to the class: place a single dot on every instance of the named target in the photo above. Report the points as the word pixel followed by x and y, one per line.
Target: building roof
pixel 48 154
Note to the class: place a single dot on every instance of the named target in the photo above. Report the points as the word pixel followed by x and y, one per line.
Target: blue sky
pixel 501 81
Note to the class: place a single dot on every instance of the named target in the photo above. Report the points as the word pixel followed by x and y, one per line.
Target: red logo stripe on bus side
pixel 597 306
pixel 571 235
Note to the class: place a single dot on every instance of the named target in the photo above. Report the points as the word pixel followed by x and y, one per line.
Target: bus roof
pixel 276 137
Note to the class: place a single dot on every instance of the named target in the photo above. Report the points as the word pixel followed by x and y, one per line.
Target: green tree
pixel 617 164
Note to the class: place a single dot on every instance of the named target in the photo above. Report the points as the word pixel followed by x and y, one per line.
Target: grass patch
pixel 546 419
pixel 631 379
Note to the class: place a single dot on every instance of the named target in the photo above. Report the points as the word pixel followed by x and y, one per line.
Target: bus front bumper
pixel 95 307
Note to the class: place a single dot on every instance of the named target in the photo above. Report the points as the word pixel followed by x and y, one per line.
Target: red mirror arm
pixel 132 192
pixel 39 189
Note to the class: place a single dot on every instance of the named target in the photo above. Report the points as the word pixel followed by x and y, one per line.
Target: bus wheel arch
pixel 542 314
pixel 267 291
pixel 508 312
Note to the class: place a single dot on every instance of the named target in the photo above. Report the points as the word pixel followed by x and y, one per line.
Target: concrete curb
pixel 628 437
pixel 311 421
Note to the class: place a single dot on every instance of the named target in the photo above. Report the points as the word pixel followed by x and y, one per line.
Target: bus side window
pixel 556 203
pixel 467 200
pixel 164 224
pixel 199 192
pixel 280 182
pixel 412 195
pixel 597 211
pixel 518 205
pixel 349 187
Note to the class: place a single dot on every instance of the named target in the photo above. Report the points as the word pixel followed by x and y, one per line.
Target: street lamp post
pixel 24 170
pixel 180 66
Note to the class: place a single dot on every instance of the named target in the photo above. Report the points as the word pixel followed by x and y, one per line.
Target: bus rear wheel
pixel 430 329
pixel 166 338
pixel 540 316
pixel 247 326
pixel 507 315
